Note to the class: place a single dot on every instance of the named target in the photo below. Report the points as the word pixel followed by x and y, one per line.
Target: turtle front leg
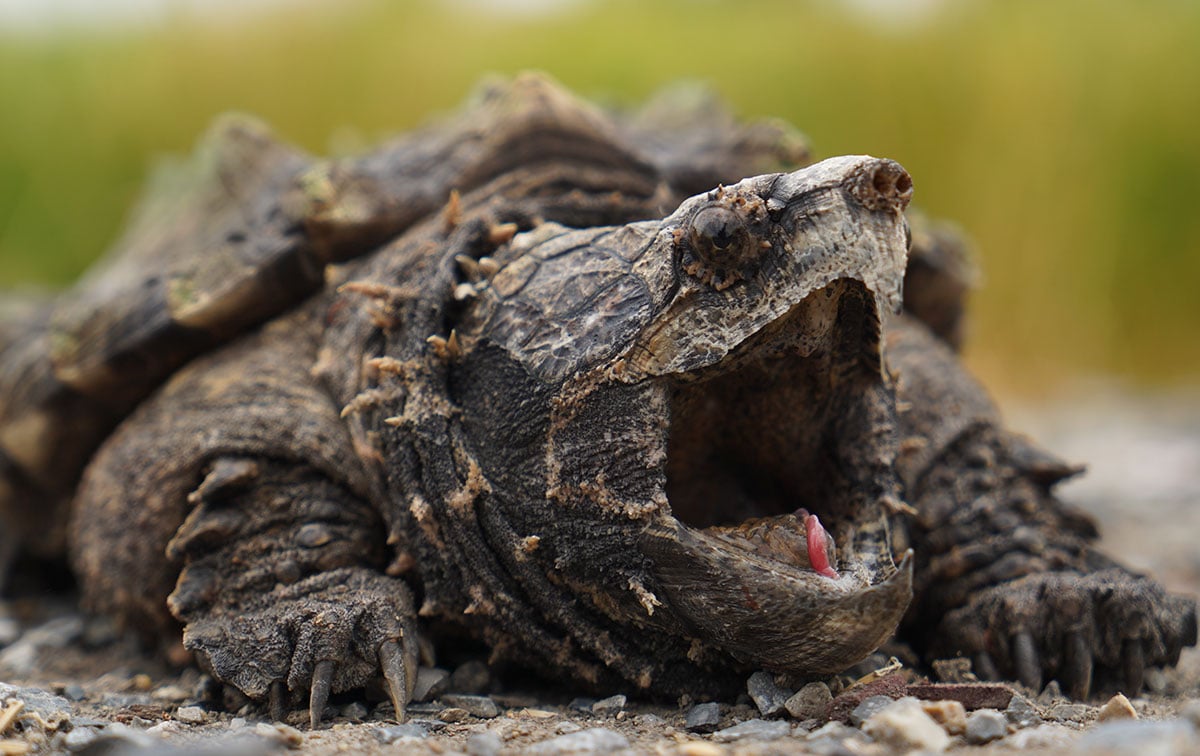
pixel 234 501
pixel 282 592
pixel 1007 574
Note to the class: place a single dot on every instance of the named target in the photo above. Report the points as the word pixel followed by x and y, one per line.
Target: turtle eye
pixel 717 234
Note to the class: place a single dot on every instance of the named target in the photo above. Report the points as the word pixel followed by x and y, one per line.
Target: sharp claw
pixel 1029 671
pixel 396 673
pixel 1133 665
pixel 985 668
pixel 1077 666
pixel 322 679
pixel 276 701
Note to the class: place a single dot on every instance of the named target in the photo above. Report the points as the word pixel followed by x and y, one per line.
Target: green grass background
pixel 1064 137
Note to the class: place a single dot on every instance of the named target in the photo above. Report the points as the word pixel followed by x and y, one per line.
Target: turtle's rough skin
pixel 505 376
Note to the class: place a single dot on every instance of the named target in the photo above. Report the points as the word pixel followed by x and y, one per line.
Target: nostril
pixel 884 184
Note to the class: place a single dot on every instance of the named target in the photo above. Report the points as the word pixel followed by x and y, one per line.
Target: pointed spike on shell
pixel 488 267
pixel 452 213
pixel 501 233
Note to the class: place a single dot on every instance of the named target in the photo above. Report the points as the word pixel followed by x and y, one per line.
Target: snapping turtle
pixel 561 380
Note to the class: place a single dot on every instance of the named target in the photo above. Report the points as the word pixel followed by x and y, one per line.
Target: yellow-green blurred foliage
pixel 1063 136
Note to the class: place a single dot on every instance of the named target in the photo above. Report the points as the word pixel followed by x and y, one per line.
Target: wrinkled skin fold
pixel 562 381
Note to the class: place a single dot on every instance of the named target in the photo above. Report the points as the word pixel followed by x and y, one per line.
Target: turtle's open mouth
pixel 778 471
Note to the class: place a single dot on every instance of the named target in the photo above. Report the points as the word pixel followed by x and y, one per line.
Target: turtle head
pixel 708 416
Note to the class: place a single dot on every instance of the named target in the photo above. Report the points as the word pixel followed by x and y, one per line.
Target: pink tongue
pixel 818 547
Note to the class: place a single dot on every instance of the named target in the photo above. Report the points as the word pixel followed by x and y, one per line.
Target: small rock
pixel 1118 707
pixel 1021 712
pixel 986 725
pixel 1070 712
pixel 53 710
pixel 649 720
pixel 10 631
pixel 594 740
pixel 278 732
pixel 582 704
pixel 237 723
pixel 1051 737
pixel 73 692
pixel 956 670
pixel 1052 693
pixel 607 707
pixel 700 748
pixel 971 695
pixel 453 714
pixel 810 702
pixel 1135 737
pixel 168 693
pixel 833 732
pixel 904 725
pixel 1156 681
pixel 190 714
pixel 355 711
pixel 470 677
pixel 393 733
pixel 78 738
pixel 484 744
pixel 431 683
pixel 704 717
pixel 951 715
pixel 166 727
pixel 566 728
pixel 59 632
pixel 426 709
pixel 766 694
pixel 868 708
pixel 477 706
pixel 892 686
pixel 756 729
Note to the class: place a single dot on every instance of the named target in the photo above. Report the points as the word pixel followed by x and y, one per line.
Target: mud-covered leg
pixel 1007 573
pixel 282 588
pixel 237 492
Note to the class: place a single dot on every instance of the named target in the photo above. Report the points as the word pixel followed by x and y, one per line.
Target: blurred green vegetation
pixel 1063 137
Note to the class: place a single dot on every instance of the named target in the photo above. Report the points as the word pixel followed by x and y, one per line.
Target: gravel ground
pixel 69 683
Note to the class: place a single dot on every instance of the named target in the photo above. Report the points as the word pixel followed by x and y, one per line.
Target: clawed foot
pixel 1097 630
pixel 329 632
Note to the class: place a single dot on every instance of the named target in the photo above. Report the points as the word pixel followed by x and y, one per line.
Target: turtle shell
pixel 247 228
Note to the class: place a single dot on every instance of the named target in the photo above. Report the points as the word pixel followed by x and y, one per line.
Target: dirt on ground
pixel 70 683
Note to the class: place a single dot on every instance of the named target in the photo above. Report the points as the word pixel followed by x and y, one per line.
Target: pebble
pixel 810 702
pixel 1118 707
pixel 767 695
pixel 1021 712
pixel 649 720
pixel 594 740
pixel 868 708
pixel 166 727
pixel 703 717
pixel 51 708
pixel 237 723
pixel 1052 693
pixel 1137 737
pixel 76 739
pixel 470 677
pixel 453 714
pixel 73 692
pixel 700 748
pixel 904 725
pixel 582 704
pixel 484 744
pixel 431 683
pixel 951 715
pixel 607 707
pixel 278 732
pixel 355 711
pixel 190 714
pixel 892 686
pixel 1052 737
pixel 393 733
pixel 10 631
pixel 1070 712
pixel 167 693
pixel 757 729
pixel 566 728
pixel 986 725
pixel 477 706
